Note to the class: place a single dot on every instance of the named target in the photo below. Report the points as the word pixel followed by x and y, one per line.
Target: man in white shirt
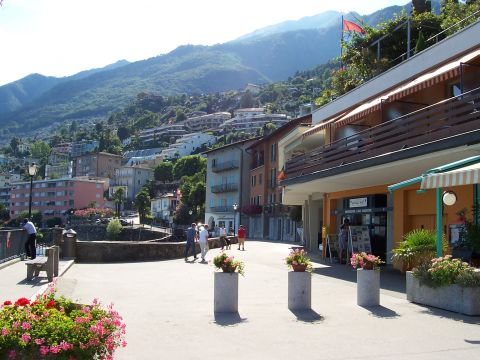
pixel 30 246
pixel 203 240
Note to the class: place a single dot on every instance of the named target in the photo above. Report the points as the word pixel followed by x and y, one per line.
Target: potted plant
pixel 446 283
pixel 53 327
pixel 418 246
pixel 228 264
pixel 297 260
pixel 225 297
pixel 299 280
pixel 368 278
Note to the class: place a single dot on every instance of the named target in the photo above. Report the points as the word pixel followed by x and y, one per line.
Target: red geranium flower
pixel 50 304
pixel 8 302
pixel 22 302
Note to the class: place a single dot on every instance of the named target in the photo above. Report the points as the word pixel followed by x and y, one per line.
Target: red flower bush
pixel 22 302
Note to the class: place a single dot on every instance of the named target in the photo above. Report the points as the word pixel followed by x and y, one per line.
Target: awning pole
pixel 439 221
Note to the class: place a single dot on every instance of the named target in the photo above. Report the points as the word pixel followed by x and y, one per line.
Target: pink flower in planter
pixel 26 326
pixel 39 341
pixel 12 354
pixel 4 332
pixel 44 350
pixel 25 338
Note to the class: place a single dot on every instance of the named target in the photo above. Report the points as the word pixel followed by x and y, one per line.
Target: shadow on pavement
pixel 309 316
pixel 382 312
pixel 474 320
pixel 228 319
pixel 390 278
pixel 36 281
pixel 474 342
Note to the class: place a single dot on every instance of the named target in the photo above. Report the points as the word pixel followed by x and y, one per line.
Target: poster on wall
pixel 360 239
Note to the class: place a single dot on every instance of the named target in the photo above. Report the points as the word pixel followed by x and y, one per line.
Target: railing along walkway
pixel 450 117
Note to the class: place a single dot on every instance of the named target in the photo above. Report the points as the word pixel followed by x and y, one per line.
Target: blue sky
pixel 63 37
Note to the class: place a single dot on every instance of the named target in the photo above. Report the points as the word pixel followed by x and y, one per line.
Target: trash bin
pixel 68 244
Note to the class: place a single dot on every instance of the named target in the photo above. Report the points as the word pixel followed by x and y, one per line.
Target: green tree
pixel 180 115
pixel 142 204
pixel 164 172
pixel 114 228
pixel 190 165
pixel 40 150
pixel 421 44
pixel 247 100
pixel 14 142
pixel 118 197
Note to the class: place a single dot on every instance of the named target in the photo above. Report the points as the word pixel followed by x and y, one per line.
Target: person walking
pixel 223 236
pixel 241 235
pixel 191 234
pixel 343 241
pixel 203 240
pixel 30 245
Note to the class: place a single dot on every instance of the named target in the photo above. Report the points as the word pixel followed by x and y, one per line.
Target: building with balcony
pixel 267 217
pixel 227 184
pixel 164 133
pixel 5 196
pixel 99 164
pixel 252 120
pixel 418 115
pixel 206 122
pixel 54 197
pixel 61 170
pixel 79 148
pixel 187 144
pixel 163 207
pixel 132 178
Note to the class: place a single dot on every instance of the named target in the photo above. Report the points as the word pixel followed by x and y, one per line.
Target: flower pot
pixel 368 287
pixel 299 290
pixel 228 269
pixel 299 267
pixel 225 297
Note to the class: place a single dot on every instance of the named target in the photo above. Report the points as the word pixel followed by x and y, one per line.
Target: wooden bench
pixel 48 263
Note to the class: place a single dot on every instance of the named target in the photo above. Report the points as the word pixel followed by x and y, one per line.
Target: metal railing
pixel 221 209
pixel 224 166
pixel 447 118
pixel 12 244
pixel 227 187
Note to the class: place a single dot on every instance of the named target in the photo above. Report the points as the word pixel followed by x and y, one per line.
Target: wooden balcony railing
pixel 447 118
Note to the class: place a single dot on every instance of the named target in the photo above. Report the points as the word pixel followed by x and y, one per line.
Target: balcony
pixel 221 209
pixel 225 166
pixel 222 188
pixel 446 119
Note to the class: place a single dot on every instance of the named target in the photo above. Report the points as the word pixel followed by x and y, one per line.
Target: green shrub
pixel 418 247
pixel 114 229
pixel 446 271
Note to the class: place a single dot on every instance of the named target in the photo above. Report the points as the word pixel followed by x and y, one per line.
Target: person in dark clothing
pixel 30 245
pixel 191 234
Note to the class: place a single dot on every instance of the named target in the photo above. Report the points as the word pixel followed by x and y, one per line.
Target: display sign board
pixel 360 239
pixel 357 202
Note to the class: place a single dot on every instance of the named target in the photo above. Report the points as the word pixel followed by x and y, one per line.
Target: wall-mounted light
pixel 449 198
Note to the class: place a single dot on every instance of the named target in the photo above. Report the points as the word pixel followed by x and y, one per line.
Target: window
pixel 455 89
pixel 273 152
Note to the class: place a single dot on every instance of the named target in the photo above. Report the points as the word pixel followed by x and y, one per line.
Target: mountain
pixel 20 93
pixel 267 55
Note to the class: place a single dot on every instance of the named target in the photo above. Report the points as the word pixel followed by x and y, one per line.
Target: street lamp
pixel 235 208
pixel 32 170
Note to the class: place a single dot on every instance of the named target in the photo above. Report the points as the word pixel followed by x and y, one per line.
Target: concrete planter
pixel 225 297
pixel 299 290
pixel 453 297
pixel 368 287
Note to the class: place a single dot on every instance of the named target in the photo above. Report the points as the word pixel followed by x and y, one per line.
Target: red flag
pixel 351 26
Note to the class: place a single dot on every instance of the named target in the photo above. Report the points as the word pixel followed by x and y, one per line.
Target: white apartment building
pixel 163 207
pixel 154 135
pixel 207 122
pixel 252 119
pixel 187 144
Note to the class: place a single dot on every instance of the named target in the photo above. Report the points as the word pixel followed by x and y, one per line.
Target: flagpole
pixel 341 45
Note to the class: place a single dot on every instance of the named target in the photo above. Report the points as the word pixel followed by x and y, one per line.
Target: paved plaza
pixel 168 309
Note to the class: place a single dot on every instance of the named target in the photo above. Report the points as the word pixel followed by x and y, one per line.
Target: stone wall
pixel 127 251
pixel 99 233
